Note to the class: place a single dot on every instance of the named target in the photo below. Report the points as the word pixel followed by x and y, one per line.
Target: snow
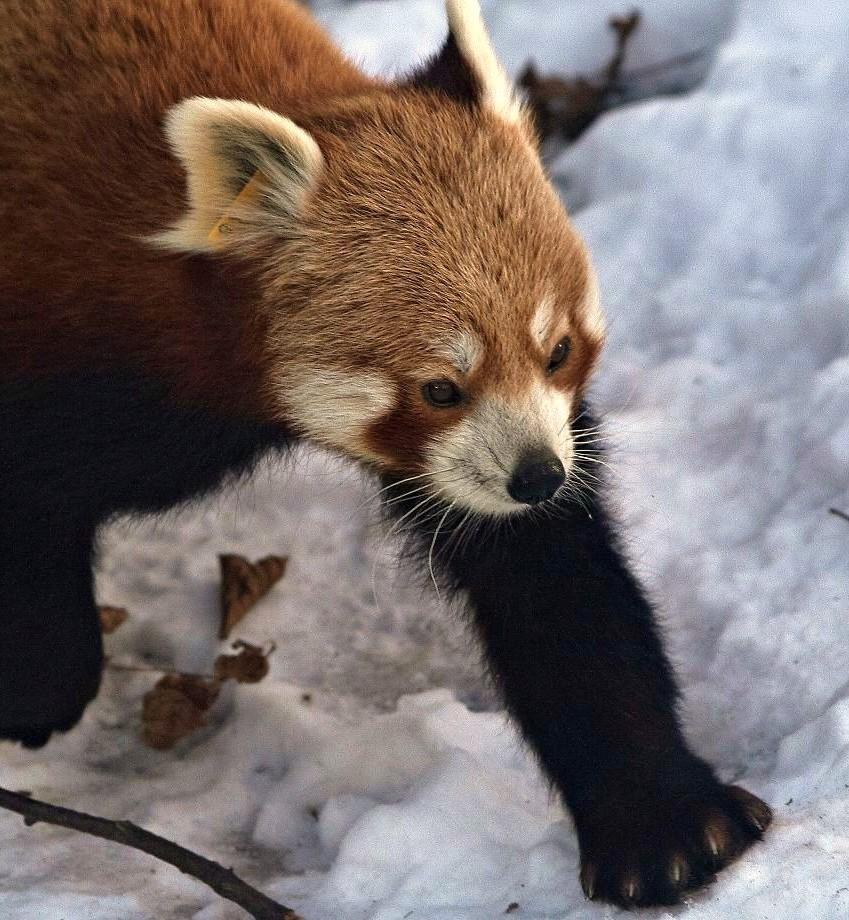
pixel 370 776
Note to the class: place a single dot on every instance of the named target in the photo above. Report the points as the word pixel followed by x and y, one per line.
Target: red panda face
pixel 452 314
pixel 431 311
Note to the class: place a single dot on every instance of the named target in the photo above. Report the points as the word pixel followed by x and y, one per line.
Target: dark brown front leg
pixel 574 646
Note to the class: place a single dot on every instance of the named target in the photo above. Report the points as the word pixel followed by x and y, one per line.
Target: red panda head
pixel 432 311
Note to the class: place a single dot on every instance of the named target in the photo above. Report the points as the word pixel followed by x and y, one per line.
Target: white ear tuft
pixel 248 173
pixel 467 26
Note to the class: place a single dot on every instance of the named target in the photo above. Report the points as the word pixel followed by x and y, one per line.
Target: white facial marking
pixel 335 407
pixel 474 461
pixel 590 310
pixel 542 321
pixel 467 27
pixel 464 352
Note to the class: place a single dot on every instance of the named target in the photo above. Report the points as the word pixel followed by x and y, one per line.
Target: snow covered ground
pixel 370 776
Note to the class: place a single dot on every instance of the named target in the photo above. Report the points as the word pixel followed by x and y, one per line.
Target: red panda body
pixel 88 174
pixel 220 237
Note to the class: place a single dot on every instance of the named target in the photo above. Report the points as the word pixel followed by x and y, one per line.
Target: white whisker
pixel 395 485
pixel 432 545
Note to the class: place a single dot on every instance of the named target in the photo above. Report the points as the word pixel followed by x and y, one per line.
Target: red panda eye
pixel 561 352
pixel 442 393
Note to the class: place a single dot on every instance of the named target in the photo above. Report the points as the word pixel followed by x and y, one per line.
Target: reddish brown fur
pixel 427 209
pixel 87 173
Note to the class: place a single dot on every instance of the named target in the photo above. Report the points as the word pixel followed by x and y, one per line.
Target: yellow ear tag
pixel 248 195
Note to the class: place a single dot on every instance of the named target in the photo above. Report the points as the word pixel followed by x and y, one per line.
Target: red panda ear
pixel 449 73
pixel 249 171
pixel 466 69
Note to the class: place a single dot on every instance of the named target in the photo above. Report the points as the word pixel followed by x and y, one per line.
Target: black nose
pixel 536 478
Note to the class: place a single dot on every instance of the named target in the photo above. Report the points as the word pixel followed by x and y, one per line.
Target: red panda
pixel 220 238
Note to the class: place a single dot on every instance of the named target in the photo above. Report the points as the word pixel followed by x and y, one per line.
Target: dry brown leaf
pixel 243 583
pixel 249 666
pixel 111 618
pixel 175 707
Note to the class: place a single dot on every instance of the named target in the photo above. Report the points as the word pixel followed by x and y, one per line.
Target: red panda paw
pixel 32 736
pixel 656 849
pixel 45 698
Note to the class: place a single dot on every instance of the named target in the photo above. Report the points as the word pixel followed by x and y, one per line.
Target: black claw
pixel 589 877
pixel 714 846
pixel 631 890
pixel 760 818
pixel 679 873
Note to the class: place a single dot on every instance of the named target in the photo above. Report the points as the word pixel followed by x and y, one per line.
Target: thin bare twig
pixel 152 669
pixel 838 513
pixel 624 27
pixel 567 107
pixel 650 70
pixel 222 881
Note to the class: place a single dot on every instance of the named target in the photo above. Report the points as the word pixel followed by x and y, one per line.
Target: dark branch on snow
pixel 223 881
